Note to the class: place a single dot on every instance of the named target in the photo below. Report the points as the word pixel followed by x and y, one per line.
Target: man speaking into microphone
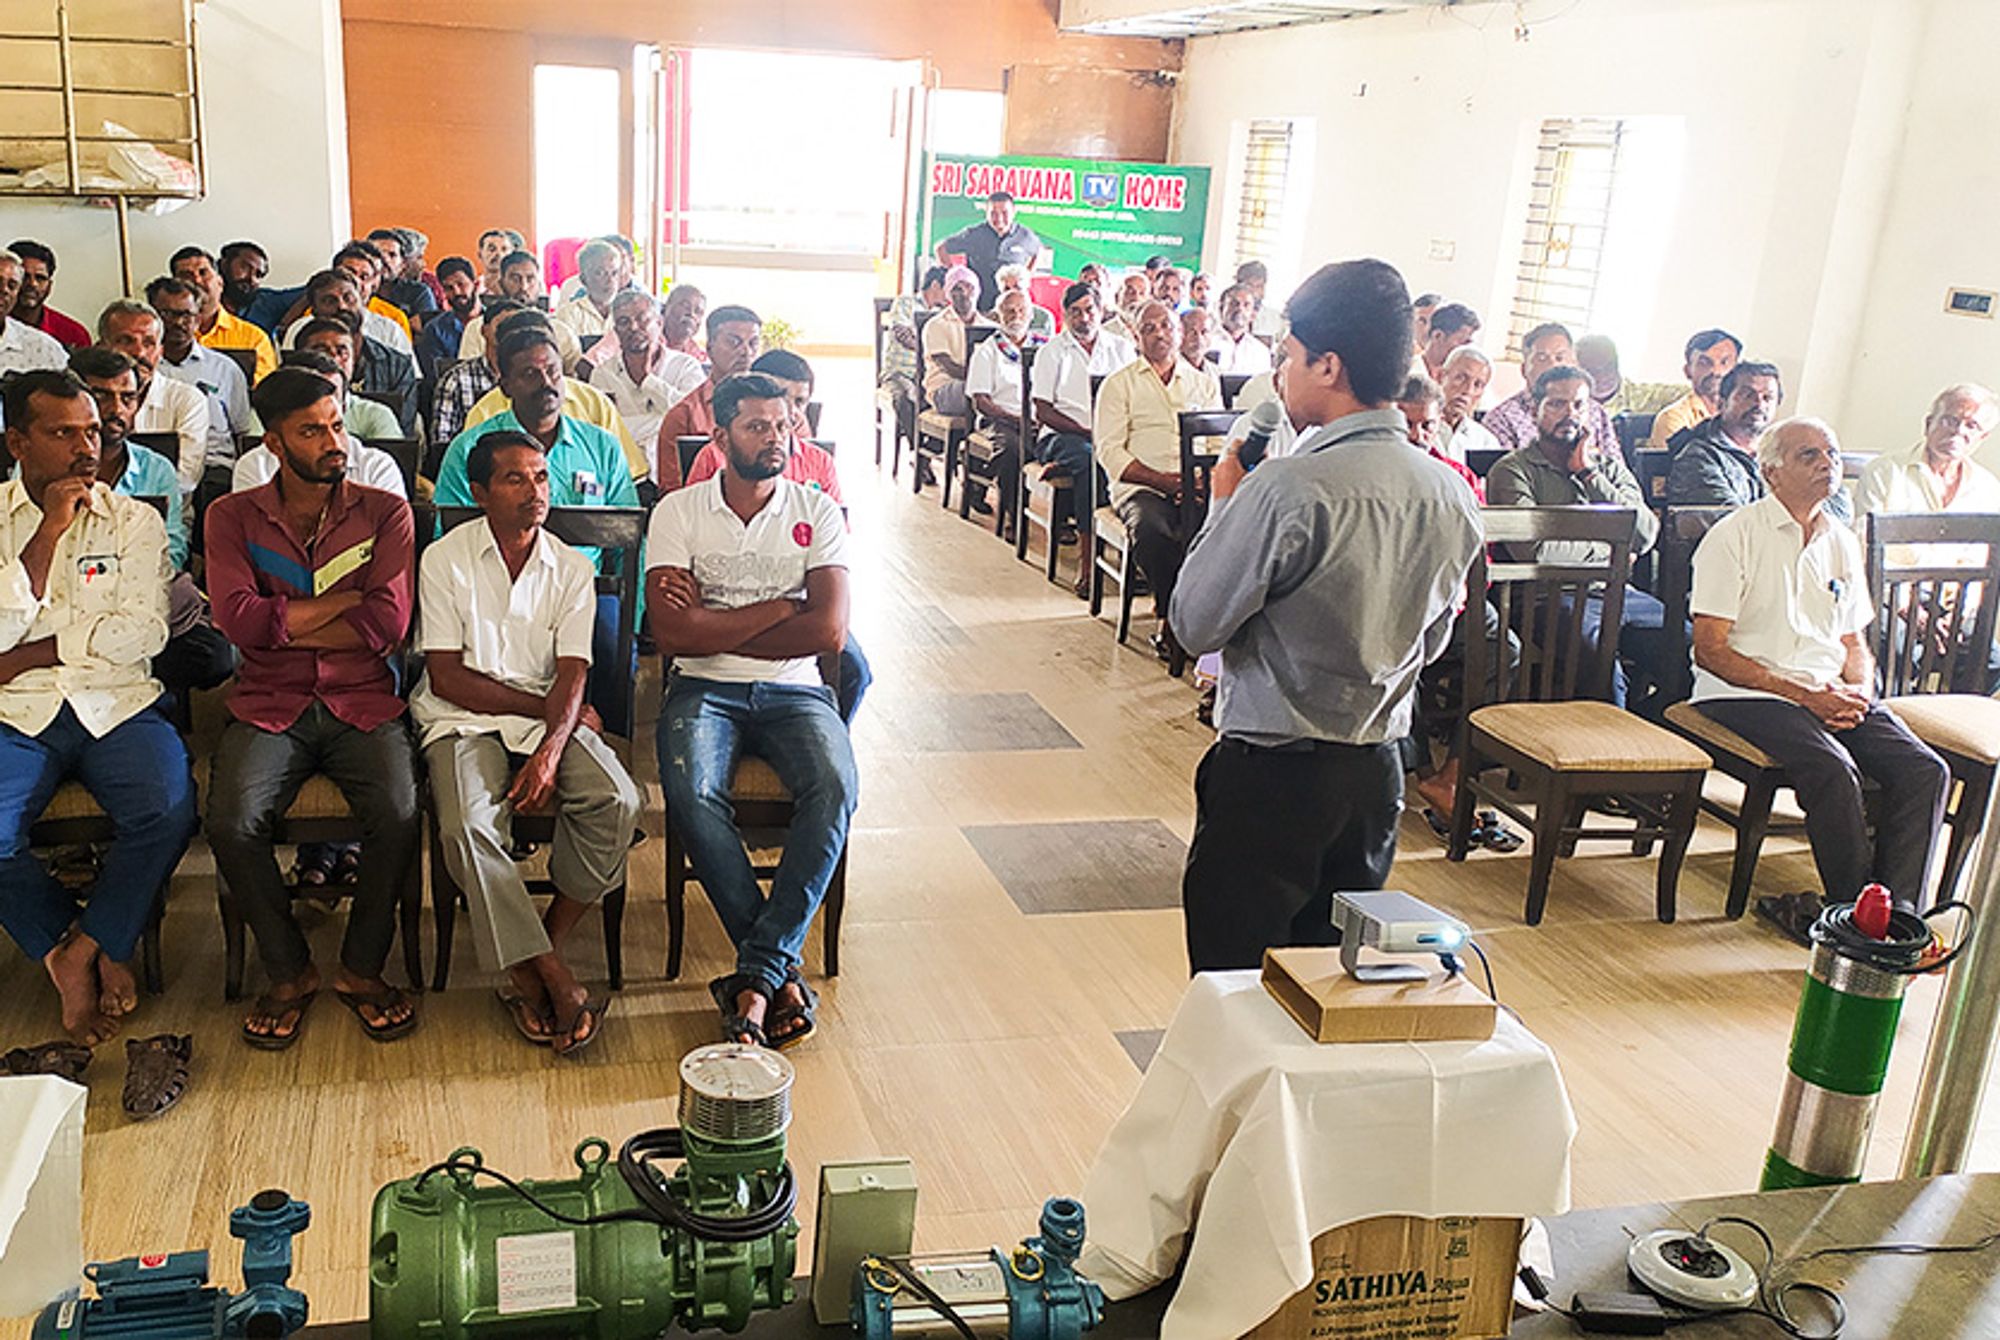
pixel 1328 579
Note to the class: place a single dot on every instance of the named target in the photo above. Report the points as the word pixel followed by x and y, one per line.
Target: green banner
pixel 1116 214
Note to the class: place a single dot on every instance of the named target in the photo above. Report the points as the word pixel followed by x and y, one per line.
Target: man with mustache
pixel 735 338
pixel 439 340
pixel 1710 354
pixel 309 576
pixel 23 348
pixel 1715 461
pixel 165 405
pixel 1467 369
pixel 747 588
pixel 83 609
pixel 220 327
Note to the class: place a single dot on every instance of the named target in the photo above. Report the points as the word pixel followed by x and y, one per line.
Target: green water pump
pixel 623 1250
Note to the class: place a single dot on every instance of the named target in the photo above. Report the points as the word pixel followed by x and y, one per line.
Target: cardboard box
pixel 1396 1277
pixel 866 1208
pixel 1334 1007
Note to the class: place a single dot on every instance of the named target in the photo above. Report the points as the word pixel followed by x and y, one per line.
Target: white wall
pixel 276 132
pixel 1795 141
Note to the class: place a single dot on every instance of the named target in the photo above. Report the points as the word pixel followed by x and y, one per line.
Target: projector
pixel 1392 922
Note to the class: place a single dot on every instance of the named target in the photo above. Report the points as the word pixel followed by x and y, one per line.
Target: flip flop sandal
pixel 314 865
pixel 270 1007
pixel 525 1016
pixel 384 1001
pixel 593 1010
pixel 156 1074
pixel 803 1017
pixel 724 991
pixel 1790 914
pixel 64 1060
pixel 1493 835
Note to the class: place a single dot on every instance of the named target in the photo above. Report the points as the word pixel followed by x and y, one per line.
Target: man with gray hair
pixel 1781 618
pixel 165 405
pixel 605 271
pixel 1467 369
pixel 22 347
pixel 1014 279
pixel 646 379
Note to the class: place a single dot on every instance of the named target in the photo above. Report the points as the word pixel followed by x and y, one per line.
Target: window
pixel 1569 213
pixel 1260 204
pixel 576 152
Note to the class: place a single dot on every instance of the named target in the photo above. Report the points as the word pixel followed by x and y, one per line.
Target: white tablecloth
pixel 1266 1139
pixel 41 1191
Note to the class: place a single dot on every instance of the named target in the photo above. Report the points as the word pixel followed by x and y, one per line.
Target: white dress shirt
pixel 105 604
pixel 221 383
pixel 25 349
pixel 1240 358
pixel 1139 420
pixel 580 314
pixel 510 629
pixel 995 370
pixel 643 404
pixel 1790 600
pixel 365 465
pixel 1470 434
pixel 737 564
pixel 1063 370
pixel 175 407
pixel 1904 482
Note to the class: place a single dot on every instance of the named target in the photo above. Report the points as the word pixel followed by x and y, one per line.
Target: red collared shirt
pixel 257 566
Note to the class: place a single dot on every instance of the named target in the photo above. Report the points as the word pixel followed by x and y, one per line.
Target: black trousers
pixel 1825 769
pixel 257 775
pixel 1277 833
pixel 1154 523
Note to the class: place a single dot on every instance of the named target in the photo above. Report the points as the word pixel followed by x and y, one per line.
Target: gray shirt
pixel 1328 582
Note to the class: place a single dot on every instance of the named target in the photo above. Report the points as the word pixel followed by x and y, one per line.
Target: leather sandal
pixel 274 1008
pixel 591 1012
pixel 64 1060
pixel 735 1025
pixel 793 1024
pixel 383 1001
pixel 156 1074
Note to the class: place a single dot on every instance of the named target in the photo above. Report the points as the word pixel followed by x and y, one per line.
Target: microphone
pixel 1265 421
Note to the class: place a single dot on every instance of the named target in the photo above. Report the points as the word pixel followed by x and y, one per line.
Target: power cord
pixel 899 1266
pixel 1456 966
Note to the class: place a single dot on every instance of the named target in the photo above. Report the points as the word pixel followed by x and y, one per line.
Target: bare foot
pixel 72 966
pixel 752 1005
pixel 281 1010
pixel 354 985
pixel 118 989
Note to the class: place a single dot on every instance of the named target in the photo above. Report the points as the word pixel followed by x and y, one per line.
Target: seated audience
pixel 993 384
pixel 334 296
pixel 1014 279
pixel 1134 292
pixel 1091 273
pixel 1598 357
pixel 370 466
pixel 735 338
pixel 1060 387
pixel 23 348
pixel 244 267
pixel 400 289
pixel 31 304
pixel 369 420
pixel 899 339
pixel 1564 467
pixel 747 588
pixel 1452 326
pixel 1709 356
pixel 1467 369
pixel 495 246
pixel 1266 319
pixel 606 272
pixel 521 280
pixel 1194 346
pixel 183 358
pixel 681 317
pixel 1781 618
pixel 469 381
pixel 945 342
pixel 581 400
pixel 83 608
pixel 1169 287
pixel 646 379
pixel 221 328
pixel 1422 402
pixel 508 612
pixel 310 578
pixel 1715 461
pixel 1421 309
pixel 1138 444
pixel 438 342
pixel 416 247
pixel 381 320
pixel 1240 354
pixel 1512 421
pixel 1198 290
pixel 165 405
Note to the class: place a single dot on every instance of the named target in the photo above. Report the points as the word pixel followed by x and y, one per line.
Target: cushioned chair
pixel 614 529
pixel 1550 724
pixel 1936 684
pixel 1481 460
pixel 73 818
pixel 1041 496
pixel 940 434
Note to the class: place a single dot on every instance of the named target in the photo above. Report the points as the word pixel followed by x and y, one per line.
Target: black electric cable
pixel 1903 950
pixel 899 1266
pixel 1473 945
pixel 457 1165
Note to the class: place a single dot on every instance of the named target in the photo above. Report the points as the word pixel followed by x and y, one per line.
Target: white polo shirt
pixel 365 465
pixel 1063 370
pixel 1790 600
pixel 510 629
pixel 944 336
pixel 643 404
pixel 175 407
pixel 105 604
pixel 735 564
pixel 995 370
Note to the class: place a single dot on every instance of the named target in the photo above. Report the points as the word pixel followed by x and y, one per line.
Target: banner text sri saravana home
pixel 1116 214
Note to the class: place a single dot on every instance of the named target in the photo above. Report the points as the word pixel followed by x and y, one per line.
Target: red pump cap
pixel 1871 912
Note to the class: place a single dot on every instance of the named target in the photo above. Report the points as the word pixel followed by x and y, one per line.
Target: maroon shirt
pixel 257 566
pixel 66 332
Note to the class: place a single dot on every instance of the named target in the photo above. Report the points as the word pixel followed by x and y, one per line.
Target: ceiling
pixel 1166 19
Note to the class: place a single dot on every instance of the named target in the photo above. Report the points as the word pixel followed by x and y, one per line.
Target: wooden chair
pixel 167 444
pixel 1633 430
pixel 73 818
pixel 1232 386
pixel 245 359
pixel 1481 460
pixel 619 529
pixel 899 418
pixel 1550 724
pixel 1037 485
pixel 1650 465
pixel 1110 556
pixel 686 448
pixel 1934 624
pixel 390 400
pixel 978 459
pixel 946 431
pixel 404 451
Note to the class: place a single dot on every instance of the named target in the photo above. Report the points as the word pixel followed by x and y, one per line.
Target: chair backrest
pixel 404 451
pixel 1651 464
pixel 1633 430
pixel 167 444
pixel 687 447
pixel 615 530
pixel 922 318
pixel 814 409
pixel 1935 579
pixel 585 343
pixel 1027 402
pixel 1197 425
pixel 1543 602
pixel 882 306
pixel 245 359
pixel 1479 460
pixel 1681 533
pixel 1232 386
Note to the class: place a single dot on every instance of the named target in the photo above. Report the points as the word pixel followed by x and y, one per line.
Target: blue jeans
pixel 138 774
pixel 1641 638
pixel 855 677
pixel 705 726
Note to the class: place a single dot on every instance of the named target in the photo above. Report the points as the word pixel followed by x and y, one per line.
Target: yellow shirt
pixel 1683 413
pixel 582 401
pixel 233 332
pixel 1139 420
pixel 390 310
